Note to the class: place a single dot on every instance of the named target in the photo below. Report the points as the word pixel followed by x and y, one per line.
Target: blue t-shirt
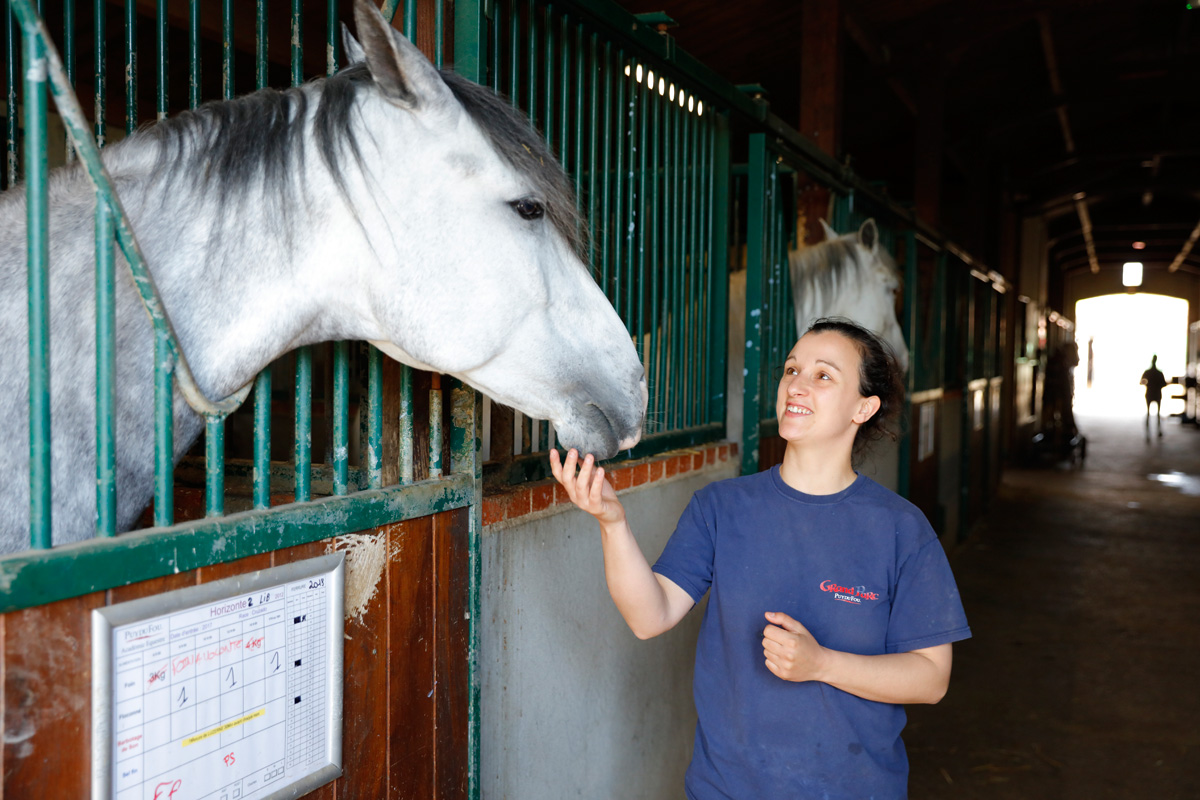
pixel 864 572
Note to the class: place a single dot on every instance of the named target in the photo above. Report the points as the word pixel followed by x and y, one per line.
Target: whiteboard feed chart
pixel 230 690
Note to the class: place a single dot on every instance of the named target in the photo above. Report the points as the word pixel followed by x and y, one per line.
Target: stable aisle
pixel 1083 592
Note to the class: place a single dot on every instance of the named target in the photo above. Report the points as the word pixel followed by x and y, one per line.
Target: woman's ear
pixel 867 409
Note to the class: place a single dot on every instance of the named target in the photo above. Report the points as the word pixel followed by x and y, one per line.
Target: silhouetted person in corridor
pixel 1154 381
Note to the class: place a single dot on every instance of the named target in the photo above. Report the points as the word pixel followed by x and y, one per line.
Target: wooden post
pixel 820 102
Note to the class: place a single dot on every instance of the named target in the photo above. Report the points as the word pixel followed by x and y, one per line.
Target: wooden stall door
pixel 405 697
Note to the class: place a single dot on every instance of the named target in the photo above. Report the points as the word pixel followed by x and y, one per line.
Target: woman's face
pixel 818 399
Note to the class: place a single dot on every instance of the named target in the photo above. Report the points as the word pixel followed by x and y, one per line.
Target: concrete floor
pixel 1083 593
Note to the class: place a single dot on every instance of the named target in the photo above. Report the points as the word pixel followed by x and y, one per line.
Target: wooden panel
pixel 48 699
pixel 410 659
pixel 451 637
pixel 365 727
pixel 405 698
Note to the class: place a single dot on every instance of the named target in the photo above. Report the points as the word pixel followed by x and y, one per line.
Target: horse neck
pixel 234 275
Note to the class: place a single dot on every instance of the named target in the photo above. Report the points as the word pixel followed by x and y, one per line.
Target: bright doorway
pixel 1125 331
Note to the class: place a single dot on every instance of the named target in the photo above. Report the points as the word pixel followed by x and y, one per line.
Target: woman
pixel 831 605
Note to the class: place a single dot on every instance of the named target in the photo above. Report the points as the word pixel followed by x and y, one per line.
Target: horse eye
pixel 528 209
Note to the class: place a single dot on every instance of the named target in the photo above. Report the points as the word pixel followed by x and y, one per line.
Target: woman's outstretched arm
pixel 650 603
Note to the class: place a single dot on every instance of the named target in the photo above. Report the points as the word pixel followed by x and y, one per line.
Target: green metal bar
pixel 375 417
pixel 194 52
pixel 531 67
pixel 493 49
pixel 263 388
pixel 260 44
pixel 227 49
pixel 297 42
pixel 99 69
pixel 640 219
pixel 682 331
pixel 406 424
pixel 303 439
pixel 390 7
pixel 164 431
pixel 577 163
pixel 514 52
pixel 38 578
pixel 435 429
pixel 604 224
pixel 341 416
pixel 718 225
pixel 467 462
pixel 262 439
pixel 160 40
pixel 692 328
pixel 548 96
pixel 621 222
pixel 439 33
pixel 331 37
pixel 214 468
pixel 106 370
pixel 410 19
pixel 12 173
pixel 596 136
pixel 37 253
pixel 650 222
pixel 755 230
pixel 131 67
pixel 69 60
pixel 909 324
pixel 564 82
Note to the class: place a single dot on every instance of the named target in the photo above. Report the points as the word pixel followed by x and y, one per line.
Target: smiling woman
pixel 849 579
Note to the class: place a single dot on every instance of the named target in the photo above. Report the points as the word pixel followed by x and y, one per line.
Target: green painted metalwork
pixel 435 432
pixel 756 215
pixel 36 578
pixel 194 52
pixel 214 468
pixel 38 260
pixel 303 428
pixel 908 324
pixel 375 417
pixel 12 171
pixel 160 42
pixel 406 424
pixel 164 432
pixel 341 416
pixel 99 68
pixel 263 381
pixel 260 44
pixel 410 19
pixel 718 254
pixel 69 59
pixel 106 369
pixel 131 67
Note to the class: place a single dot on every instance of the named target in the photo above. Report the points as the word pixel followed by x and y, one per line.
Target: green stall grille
pixel 646 146
pixel 355 495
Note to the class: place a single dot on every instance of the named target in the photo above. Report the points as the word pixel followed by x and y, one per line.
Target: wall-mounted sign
pixel 230 690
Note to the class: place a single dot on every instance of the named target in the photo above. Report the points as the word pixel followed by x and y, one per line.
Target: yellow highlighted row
pixel 233 723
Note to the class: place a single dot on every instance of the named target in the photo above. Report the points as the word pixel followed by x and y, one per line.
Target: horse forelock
pixel 517 142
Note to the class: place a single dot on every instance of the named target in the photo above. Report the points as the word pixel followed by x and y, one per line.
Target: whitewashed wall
pixel 573 705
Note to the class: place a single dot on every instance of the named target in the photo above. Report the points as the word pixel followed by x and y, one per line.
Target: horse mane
pixel 257 141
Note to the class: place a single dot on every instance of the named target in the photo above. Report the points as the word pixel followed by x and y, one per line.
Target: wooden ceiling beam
pixel 1186 249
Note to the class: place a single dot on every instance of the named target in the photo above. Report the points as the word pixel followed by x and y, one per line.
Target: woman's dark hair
pixel 879 375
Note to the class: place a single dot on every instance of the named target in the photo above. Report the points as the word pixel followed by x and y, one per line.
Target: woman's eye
pixel 528 209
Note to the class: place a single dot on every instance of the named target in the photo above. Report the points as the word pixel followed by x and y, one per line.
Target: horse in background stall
pixel 849 276
pixel 392 202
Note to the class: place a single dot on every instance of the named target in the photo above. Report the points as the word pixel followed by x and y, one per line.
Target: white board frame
pixel 105 620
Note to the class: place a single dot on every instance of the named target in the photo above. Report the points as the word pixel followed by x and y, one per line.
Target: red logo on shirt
pixel 848 594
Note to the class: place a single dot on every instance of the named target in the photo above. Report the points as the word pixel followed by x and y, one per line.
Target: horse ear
pixel 398 67
pixel 868 235
pixel 830 233
pixel 351 47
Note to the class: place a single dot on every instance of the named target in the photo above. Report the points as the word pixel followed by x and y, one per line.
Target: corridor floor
pixel 1082 588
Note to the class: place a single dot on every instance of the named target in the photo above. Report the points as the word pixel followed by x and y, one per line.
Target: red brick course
pixel 528 499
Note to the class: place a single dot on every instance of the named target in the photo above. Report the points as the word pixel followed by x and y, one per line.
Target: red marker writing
pixel 171 788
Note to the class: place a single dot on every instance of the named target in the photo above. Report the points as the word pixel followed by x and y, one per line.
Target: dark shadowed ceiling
pixel 1085 112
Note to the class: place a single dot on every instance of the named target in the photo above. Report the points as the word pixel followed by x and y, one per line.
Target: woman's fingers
pixel 595 495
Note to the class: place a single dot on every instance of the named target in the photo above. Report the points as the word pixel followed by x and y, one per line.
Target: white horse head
pixel 392 202
pixel 849 276
pixel 472 266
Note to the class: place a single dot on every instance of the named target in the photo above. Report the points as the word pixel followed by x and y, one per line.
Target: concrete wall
pixel 573 705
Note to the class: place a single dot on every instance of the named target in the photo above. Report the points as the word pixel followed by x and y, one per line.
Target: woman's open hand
pixel 587 489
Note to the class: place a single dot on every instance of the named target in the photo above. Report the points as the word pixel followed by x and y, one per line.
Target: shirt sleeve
pixel 926 609
pixel 687 560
